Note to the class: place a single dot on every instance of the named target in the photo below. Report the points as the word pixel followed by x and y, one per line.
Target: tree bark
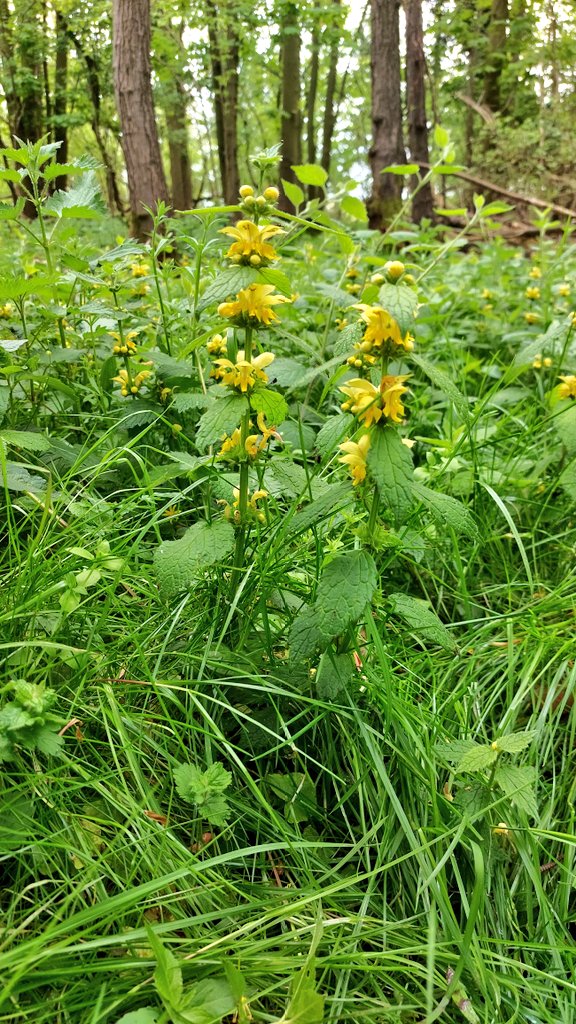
pixel 177 124
pixel 224 59
pixel 329 121
pixel 422 203
pixel 60 97
pixel 496 56
pixel 133 90
pixel 291 120
pixel 387 146
pixel 311 96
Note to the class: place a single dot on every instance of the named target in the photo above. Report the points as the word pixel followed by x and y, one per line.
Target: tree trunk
pixel 496 56
pixel 133 90
pixel 311 96
pixel 422 203
pixel 177 124
pixel 30 80
pixel 290 97
pixel 224 57
pixel 387 146
pixel 60 90
pixel 329 121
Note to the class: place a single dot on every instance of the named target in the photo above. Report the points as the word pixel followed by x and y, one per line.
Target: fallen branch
pixel 491 187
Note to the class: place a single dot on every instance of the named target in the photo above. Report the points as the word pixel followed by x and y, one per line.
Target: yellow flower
pixel 355 457
pixel 251 241
pixel 382 327
pixel 124 381
pixel 140 269
pixel 6 310
pixel 370 403
pixel 501 829
pixel 533 292
pixel 537 363
pixel 394 269
pixel 217 345
pixel 531 318
pixel 242 374
pixel 564 290
pixel 568 387
pixel 233 512
pixel 253 305
pixel 535 273
pixel 230 443
pixel 486 293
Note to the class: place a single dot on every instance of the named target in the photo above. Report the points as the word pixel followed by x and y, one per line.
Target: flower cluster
pixel 232 447
pixel 124 346
pixel 233 514
pixel 252 306
pixel 567 389
pixel 252 244
pixel 130 385
pixel 243 374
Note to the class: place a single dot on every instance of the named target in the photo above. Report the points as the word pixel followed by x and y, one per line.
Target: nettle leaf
pixel 269 275
pixel 347 338
pixel 354 208
pixel 83 200
pixel 565 423
pixel 145 1015
pixel 9 212
pixel 205 789
pixel 19 479
pixel 26 439
pixel 222 417
pixel 346 587
pixel 391 468
pixel 286 477
pixel 335 496
pixel 271 403
pixel 179 563
pixel 447 510
pixel 334 675
pixel 443 382
pixel 333 431
pixel 515 742
pixel 477 759
pixel 518 784
pixel 206 1002
pixel 12 344
pixel 311 174
pixel 229 282
pixel 401 302
pixel 454 750
pixel 422 620
pixel 298 793
pixel 185 401
pixel 293 192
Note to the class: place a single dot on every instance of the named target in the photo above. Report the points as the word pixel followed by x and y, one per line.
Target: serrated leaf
pixel 83 200
pixel 9 174
pixel 145 1015
pixel 293 192
pixel 354 208
pixel 291 479
pixel 518 784
pixel 222 417
pixel 25 439
pixel 178 563
pixel 515 742
pixel 347 338
pixel 401 302
pixel 12 344
pixel 48 742
pixel 18 478
pixel 565 424
pixel 346 587
pixel 311 174
pixel 401 169
pixel 83 164
pixel 422 620
pixel 390 465
pixel 477 759
pixel 229 282
pixel 270 275
pixel 185 401
pixel 271 403
pixel 443 382
pixel 447 510
pixel 334 675
pixel 334 497
pixel 9 212
pixel 334 430
pixel 298 793
pixel 454 750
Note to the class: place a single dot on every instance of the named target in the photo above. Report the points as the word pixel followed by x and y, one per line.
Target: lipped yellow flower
pixel 242 374
pixel 253 306
pixel 533 292
pixel 370 403
pixel 564 289
pixel 6 310
pixel 140 269
pixel 252 245
pixel 381 327
pixel 535 273
pixel 217 345
pixel 531 318
pixel 355 456
pixel 124 346
pixel 232 512
pixel 567 389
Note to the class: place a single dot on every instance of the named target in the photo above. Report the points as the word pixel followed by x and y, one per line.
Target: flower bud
pixel 377 279
pixel 246 190
pixel 271 194
pixel 394 269
pixel 255 259
pixel 261 202
pixel 249 201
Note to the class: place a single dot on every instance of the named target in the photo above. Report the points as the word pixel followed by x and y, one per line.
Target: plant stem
pixel 374 510
pixel 243 482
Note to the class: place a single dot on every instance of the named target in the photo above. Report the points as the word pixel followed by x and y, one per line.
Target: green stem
pixel 374 511
pixel 243 482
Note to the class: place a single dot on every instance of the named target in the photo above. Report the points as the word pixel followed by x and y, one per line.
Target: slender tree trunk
pixel 60 90
pixel 387 146
pixel 311 96
pixel 224 56
pixel 422 204
pixel 133 90
pixel 8 57
pixel 177 125
pixel 290 97
pixel 329 120
pixel 30 122
pixel 496 55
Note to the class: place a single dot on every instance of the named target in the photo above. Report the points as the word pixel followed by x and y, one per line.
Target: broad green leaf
pixel 185 401
pixel 347 338
pixel 298 793
pixel 447 510
pixel 311 174
pixel 205 789
pixel 222 417
pixel 9 174
pixel 145 1015
pixel 9 212
pixel 19 479
pixel 293 192
pixel 178 563
pixel 422 621
pixel 334 675
pixel 168 974
pixel 346 587
pixel 80 166
pixel 333 431
pixel 25 439
pixel 515 742
pixel 450 169
pixel 565 423
pixel 206 1002
pixel 459 211
pixel 443 382
pixel 354 208
pixel 441 136
pixel 271 403
pixel 334 497
pixel 83 200
pixel 12 344
pixel 401 169
pixel 454 750
pixel 390 465
pixel 518 783
pixel 478 759
pixel 286 477
pixel 306 1005
pixel 48 742
pixel 269 275
pixel 401 302
pixel 229 282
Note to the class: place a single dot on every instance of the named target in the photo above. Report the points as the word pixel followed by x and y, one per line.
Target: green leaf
pixel 515 742
pixel 401 169
pixel 335 496
pixel 565 423
pixel 443 382
pixel 447 510
pixel 26 439
pixel 306 1005
pixel 311 174
pixel 83 200
pixel 477 759
pixel 347 338
pixel 178 563
pixel 9 212
pixel 518 784
pixel 145 1015
pixel 12 344
pixel 9 174
pixel 19 479
pixel 390 465
pixel 229 282
pixel 334 430
pixel 205 789
pixel 441 136
pixel 298 793
pixel 271 403
pixel 334 675
pixel 80 166
pixel 293 192
pixel 269 275
pixel 286 477
pixel 354 208
pixel 422 620
pixel 346 587
pixel 168 975
pixel 454 750
pixel 48 742
pixel 222 417
pixel 206 1002
pixel 401 302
